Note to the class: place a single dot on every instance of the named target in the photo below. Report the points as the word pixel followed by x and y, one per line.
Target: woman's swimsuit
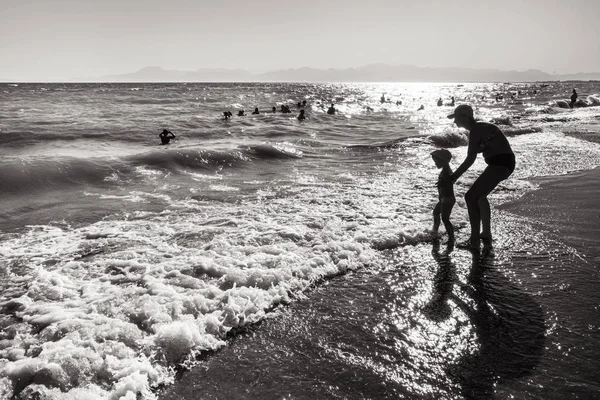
pixel 504 160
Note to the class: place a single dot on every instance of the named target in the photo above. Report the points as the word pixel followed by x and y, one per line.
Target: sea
pixel 126 265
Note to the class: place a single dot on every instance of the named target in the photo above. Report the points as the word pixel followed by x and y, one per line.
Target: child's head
pixel 441 157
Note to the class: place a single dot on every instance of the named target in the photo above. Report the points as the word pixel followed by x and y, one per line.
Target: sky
pixel 50 40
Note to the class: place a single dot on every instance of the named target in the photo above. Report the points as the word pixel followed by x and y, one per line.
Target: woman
pixel 488 139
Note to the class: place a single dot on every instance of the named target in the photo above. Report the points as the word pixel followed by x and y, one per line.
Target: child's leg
pixel 436 216
pixel 447 205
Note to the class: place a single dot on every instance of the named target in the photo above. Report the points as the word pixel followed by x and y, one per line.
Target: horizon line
pixel 258 73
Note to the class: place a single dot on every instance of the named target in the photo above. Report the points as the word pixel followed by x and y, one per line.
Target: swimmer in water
pixel 331 110
pixel 439 102
pixel 301 116
pixel 256 111
pixel 166 136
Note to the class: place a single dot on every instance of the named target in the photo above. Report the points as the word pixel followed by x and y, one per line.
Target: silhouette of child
pixel 442 158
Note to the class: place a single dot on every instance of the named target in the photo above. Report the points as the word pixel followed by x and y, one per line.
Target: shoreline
pixel 540 280
pixel 572 197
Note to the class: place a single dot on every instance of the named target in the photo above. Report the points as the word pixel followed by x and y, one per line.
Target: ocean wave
pixel 283 150
pixel 151 101
pixel 521 130
pixel 23 176
pixel 24 138
pixel 27 175
pixel 502 121
pixel 189 158
pixel 450 140
pixel 589 101
pixel 390 144
pixel 593 100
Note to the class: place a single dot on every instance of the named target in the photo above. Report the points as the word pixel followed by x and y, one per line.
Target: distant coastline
pixel 368 73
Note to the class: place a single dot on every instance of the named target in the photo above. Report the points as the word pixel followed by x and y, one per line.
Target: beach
pixel 392 341
pixel 266 257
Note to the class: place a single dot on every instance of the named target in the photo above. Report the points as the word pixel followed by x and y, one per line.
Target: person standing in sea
pixel 573 98
pixel 488 139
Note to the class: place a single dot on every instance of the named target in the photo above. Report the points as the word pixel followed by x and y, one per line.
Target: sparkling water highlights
pixel 123 260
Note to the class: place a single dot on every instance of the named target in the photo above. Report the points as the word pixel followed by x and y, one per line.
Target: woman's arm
pixel 469 160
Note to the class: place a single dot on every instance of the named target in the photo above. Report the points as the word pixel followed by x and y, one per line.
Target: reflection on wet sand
pixel 444 324
pixel 508 325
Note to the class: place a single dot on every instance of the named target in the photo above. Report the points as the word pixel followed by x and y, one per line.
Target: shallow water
pixel 123 259
pixel 436 322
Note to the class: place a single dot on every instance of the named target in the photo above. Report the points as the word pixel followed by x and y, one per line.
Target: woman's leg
pixel 484 210
pixel 483 186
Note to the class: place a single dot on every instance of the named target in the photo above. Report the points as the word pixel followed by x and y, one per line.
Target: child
pixel 445 187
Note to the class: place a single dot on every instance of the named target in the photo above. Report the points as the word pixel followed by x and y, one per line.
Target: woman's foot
pixel 486 239
pixel 469 244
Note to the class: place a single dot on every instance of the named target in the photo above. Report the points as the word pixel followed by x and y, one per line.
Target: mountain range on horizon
pixel 368 73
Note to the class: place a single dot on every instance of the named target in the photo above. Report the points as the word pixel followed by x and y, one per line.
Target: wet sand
pixel 520 321
pixel 568 206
